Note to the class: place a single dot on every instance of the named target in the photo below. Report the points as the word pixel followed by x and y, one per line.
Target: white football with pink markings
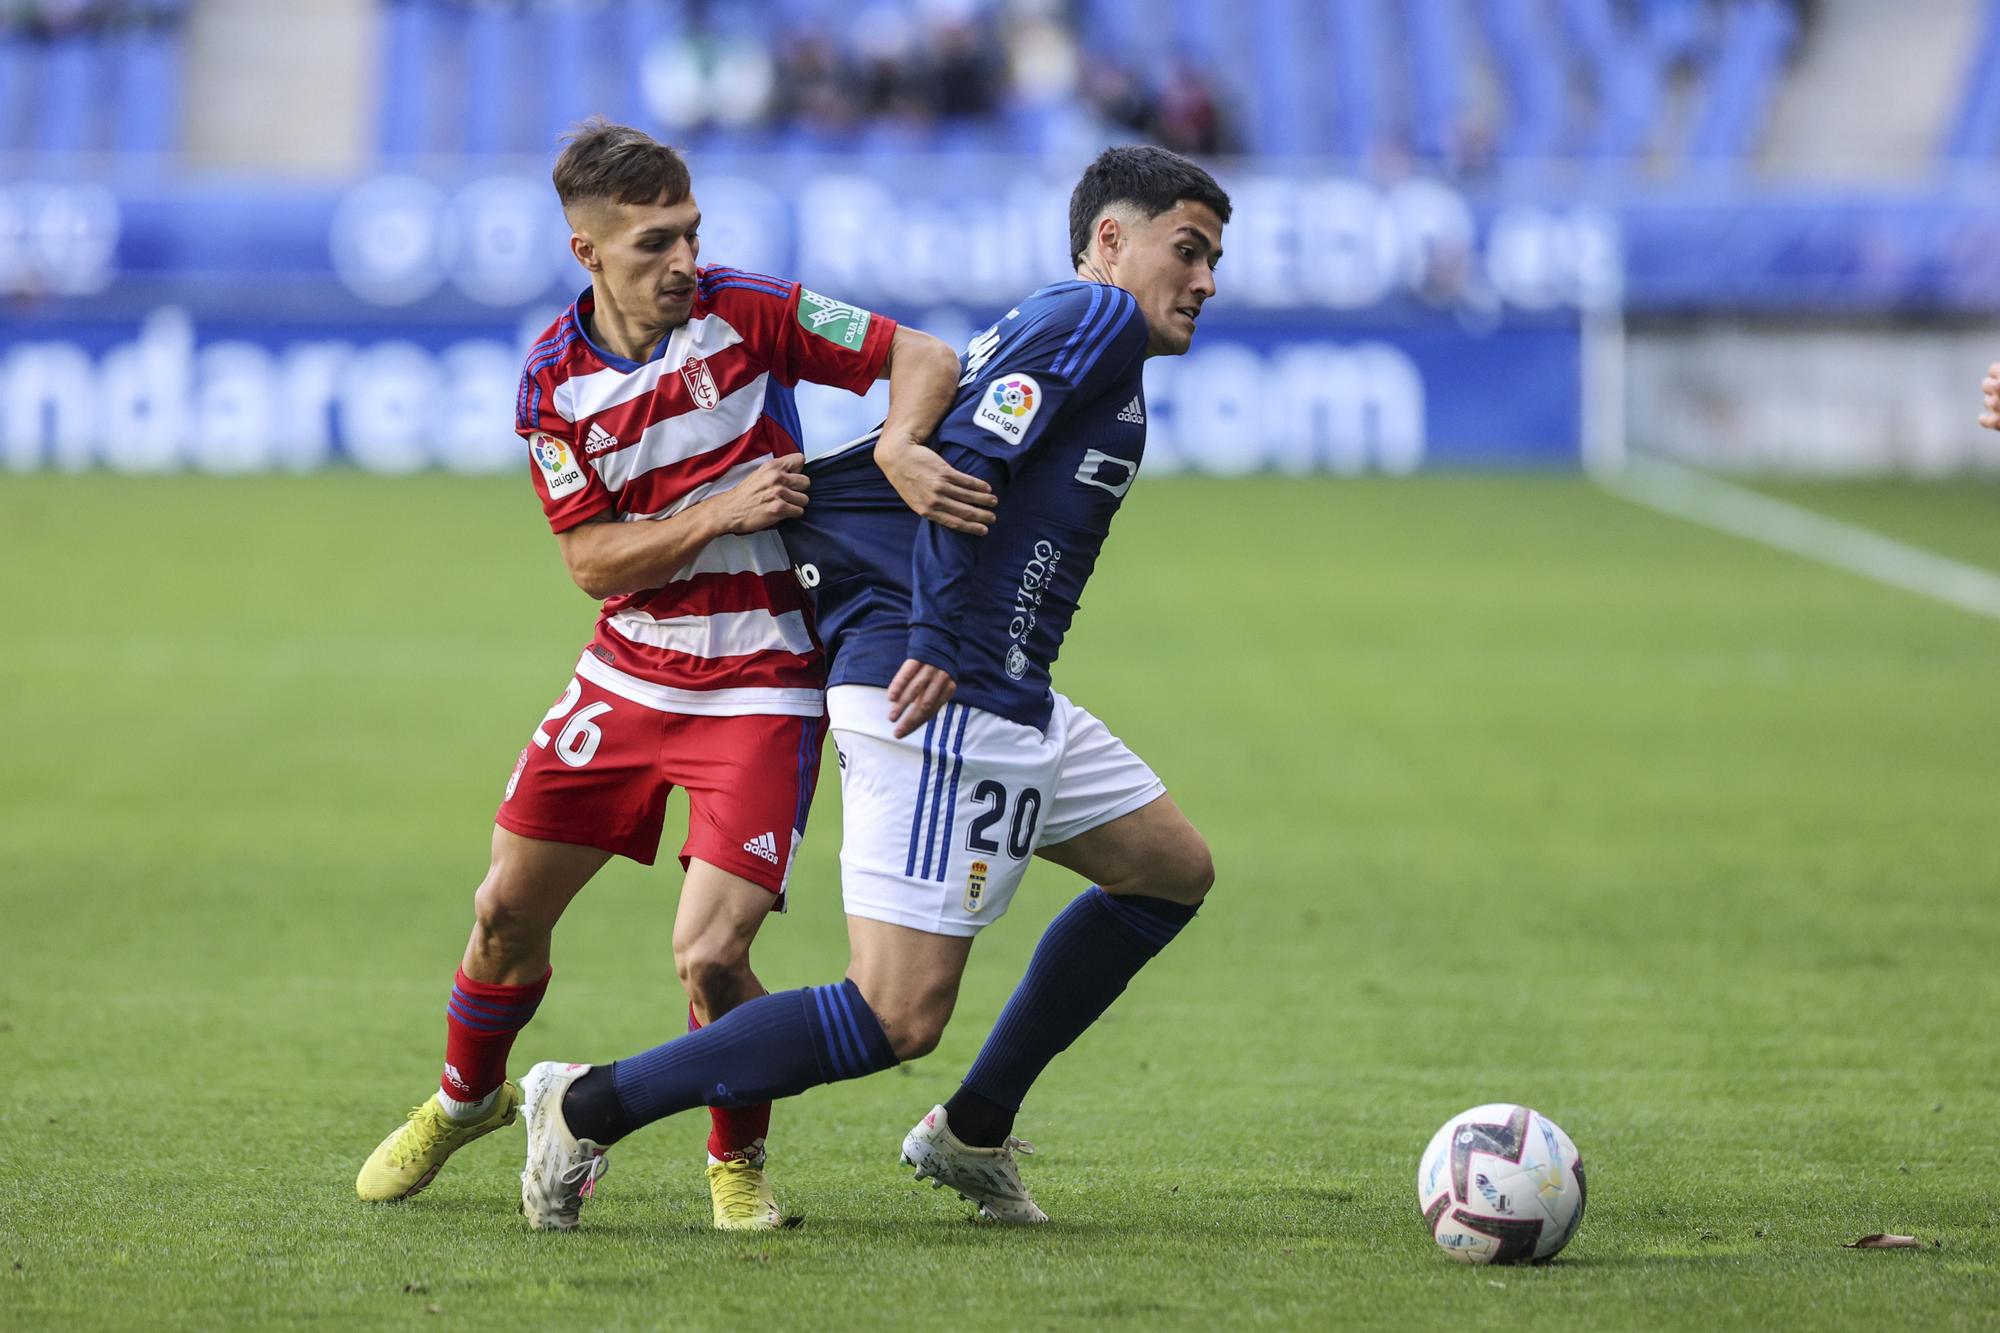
pixel 1501 1184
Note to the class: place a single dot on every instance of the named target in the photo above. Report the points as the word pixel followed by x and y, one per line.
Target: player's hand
pixel 916 694
pixel 1989 389
pixel 767 497
pixel 935 489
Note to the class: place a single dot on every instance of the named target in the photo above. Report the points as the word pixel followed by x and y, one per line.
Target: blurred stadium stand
pixel 1360 80
pixel 1462 88
pixel 81 78
pixel 223 222
pixel 1458 85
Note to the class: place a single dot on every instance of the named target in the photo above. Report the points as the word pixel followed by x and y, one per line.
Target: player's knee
pixel 912 1019
pixel 914 1034
pixel 716 973
pixel 1184 872
pixel 502 917
pixel 1198 870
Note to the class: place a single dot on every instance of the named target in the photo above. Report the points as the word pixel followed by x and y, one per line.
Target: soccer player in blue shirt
pixel 957 760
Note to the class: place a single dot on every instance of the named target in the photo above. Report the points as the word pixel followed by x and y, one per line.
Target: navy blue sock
pixel 1086 958
pixel 774 1046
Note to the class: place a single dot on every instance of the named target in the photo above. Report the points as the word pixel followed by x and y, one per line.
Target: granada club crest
pixel 701 383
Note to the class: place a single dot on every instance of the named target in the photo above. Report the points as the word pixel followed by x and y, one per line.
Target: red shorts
pixel 600 767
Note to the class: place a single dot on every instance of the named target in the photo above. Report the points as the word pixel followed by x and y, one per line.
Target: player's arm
pixel 1989 389
pixel 923 378
pixel 608 558
pixel 825 341
pixel 940 571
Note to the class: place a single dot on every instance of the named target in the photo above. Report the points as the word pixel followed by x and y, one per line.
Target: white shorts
pixel 938 827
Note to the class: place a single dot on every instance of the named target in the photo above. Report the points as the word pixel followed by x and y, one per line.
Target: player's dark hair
pixel 1150 179
pixel 605 161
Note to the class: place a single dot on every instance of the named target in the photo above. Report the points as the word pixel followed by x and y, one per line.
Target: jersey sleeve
pixel 1074 352
pixel 803 335
pixel 570 490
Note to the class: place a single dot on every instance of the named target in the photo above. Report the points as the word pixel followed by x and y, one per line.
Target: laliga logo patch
pixel 561 472
pixel 1008 405
pixel 701 384
pixel 975 887
pixel 1015 398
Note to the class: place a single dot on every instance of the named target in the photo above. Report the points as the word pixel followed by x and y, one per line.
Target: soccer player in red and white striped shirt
pixel 665 448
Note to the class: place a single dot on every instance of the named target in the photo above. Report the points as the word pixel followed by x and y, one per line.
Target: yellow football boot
pixel 742 1195
pixel 415 1152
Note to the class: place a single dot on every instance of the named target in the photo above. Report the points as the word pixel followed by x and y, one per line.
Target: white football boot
pixel 562 1169
pixel 984 1176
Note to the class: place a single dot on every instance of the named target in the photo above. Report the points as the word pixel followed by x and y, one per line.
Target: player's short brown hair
pixel 605 161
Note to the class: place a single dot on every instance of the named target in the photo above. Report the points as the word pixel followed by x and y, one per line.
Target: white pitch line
pixel 1699 498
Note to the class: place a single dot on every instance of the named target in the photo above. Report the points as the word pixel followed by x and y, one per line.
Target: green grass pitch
pixel 1517 792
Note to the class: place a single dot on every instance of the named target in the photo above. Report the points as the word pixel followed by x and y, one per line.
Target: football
pixel 1501 1184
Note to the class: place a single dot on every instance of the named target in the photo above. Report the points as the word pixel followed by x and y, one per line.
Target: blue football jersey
pixel 1051 412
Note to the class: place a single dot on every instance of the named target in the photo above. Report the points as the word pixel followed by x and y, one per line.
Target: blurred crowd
pixel 59 18
pixel 920 65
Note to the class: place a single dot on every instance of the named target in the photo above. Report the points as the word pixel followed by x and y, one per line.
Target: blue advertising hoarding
pixel 226 394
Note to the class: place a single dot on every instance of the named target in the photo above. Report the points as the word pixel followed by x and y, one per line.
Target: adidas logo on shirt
pixel 602 441
pixel 1133 415
pixel 764 845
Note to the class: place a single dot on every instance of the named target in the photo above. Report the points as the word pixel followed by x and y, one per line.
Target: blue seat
pixel 147 112
pixel 74 84
pixel 1537 93
pixel 17 86
pixel 1974 133
pixel 1358 51
pixel 498 65
pixel 1757 37
pixel 1436 77
pixel 405 120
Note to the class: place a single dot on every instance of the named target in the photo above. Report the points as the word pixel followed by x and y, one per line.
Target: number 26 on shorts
pixel 577 742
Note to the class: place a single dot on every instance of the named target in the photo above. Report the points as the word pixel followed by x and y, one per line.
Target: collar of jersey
pixel 584 304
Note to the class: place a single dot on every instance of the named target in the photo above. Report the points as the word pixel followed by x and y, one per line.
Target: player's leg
pixel 585 788
pixel 780 1044
pixel 777 1045
pixel 909 933
pixel 500 983
pixel 908 980
pixel 1152 871
pixel 720 914
pixel 750 783
pixel 1112 822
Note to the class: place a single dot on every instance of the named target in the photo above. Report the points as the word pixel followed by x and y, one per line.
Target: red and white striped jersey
pixel 731 632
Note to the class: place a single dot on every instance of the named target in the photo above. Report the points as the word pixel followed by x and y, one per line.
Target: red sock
pixel 735 1131
pixel 479 1027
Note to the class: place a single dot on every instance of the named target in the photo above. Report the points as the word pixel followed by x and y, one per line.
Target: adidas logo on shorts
pixel 602 441
pixel 764 845
pixel 1133 414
